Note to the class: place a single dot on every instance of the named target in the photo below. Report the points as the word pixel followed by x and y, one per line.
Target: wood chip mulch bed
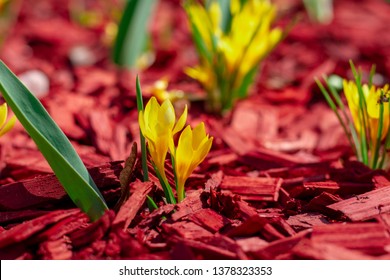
pixel 279 182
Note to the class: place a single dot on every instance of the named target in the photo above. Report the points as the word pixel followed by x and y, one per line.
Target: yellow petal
pixel 181 122
pixel 200 154
pixel 183 155
pixel 235 6
pixel 166 115
pixel 199 134
pixel 145 130
pixel 150 115
pixel 8 126
pixel 373 107
pixel 3 114
pixel 215 15
pixel 141 122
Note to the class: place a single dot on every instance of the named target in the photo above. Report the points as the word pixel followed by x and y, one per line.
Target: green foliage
pixel 132 32
pixel 320 11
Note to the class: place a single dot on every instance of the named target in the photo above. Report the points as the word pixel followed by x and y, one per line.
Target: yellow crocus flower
pixel 203 74
pixel 206 21
pixel 236 52
pixel 160 90
pixel 4 125
pixel 158 125
pixel 191 150
pixel 372 96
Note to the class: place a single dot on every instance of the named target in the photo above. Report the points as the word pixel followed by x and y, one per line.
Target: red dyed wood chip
pixel 253 188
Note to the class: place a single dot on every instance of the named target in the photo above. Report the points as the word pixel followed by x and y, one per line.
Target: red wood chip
pixel 306 221
pixel 25 230
pixel 278 248
pixel 46 189
pixel 218 247
pixel 55 250
pixel 209 219
pixel 131 207
pixel 365 206
pixel 249 227
pixel 253 188
pixel 307 249
pixel 18 216
pixel 187 230
pixel 93 232
pixel 189 205
pixel 368 238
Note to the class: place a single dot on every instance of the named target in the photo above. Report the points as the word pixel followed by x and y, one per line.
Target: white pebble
pixel 37 82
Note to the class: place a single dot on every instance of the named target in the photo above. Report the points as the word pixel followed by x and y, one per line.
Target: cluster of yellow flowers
pixel 158 125
pixel 373 97
pixel 367 124
pixel 230 52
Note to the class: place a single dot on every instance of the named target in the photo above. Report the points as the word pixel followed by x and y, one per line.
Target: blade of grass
pixel 372 73
pixel 347 120
pixel 385 147
pixel 377 144
pixel 53 144
pixel 174 173
pixel 144 157
pixel 132 32
pixel 140 107
pixel 166 187
pixel 363 118
pixel 335 109
pixel 226 15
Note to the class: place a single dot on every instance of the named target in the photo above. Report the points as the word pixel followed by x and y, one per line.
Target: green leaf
pixel 226 20
pixel 347 121
pixel 144 157
pixel 371 76
pixel 53 144
pixel 140 107
pixel 132 32
pixel 169 196
pixel 377 144
pixel 247 81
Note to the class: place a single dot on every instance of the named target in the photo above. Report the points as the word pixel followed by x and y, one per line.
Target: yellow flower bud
pixel 192 148
pixel 158 125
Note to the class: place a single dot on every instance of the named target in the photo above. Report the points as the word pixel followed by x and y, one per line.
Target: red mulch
pixel 279 182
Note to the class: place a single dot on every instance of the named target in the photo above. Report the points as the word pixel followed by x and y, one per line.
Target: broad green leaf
pixel 132 32
pixel 53 144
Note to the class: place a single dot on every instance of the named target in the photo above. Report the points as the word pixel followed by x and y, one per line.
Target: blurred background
pixel 62 50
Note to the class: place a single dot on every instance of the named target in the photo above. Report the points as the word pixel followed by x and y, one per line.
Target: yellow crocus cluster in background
pixel 5 125
pixel 373 97
pixel 158 125
pixel 231 50
pixel 366 118
pixel 160 90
